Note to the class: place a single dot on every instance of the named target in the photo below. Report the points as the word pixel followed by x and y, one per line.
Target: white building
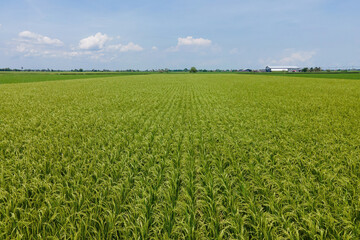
pixel 282 69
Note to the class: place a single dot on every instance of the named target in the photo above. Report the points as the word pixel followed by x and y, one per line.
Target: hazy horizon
pixel 36 34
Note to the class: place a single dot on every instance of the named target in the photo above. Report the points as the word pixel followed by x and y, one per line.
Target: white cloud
pixel 190 41
pixel 126 48
pixel 97 55
pixel 21 48
pixel 234 51
pixel 95 42
pixel 95 47
pixel 34 44
pixel 34 38
pixel 73 54
pixel 291 57
pixel 297 57
pixel 154 48
pixel 28 50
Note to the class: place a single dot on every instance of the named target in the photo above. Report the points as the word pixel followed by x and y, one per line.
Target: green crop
pixel 183 156
pixel 337 75
pixel 27 77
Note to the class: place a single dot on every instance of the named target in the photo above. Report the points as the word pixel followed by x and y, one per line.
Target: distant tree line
pixel 165 70
pixel 29 70
pixel 312 69
pixel 9 70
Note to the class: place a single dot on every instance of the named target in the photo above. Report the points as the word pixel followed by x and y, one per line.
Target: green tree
pixel 193 70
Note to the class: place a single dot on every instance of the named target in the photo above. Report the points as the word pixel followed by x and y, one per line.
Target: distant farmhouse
pixel 282 69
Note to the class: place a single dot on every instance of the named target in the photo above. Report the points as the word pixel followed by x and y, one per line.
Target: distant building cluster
pixel 282 69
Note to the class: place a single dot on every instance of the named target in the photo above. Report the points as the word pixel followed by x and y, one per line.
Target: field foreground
pixel 180 156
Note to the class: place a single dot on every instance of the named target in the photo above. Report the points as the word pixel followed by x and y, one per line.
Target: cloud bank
pixel 34 38
pixel 94 42
pixel 126 48
pixel 30 44
pixel 291 57
pixel 190 41
pixel 98 42
pixel 297 57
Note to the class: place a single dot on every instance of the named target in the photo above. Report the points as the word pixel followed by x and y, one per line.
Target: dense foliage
pixel 193 70
pixel 180 156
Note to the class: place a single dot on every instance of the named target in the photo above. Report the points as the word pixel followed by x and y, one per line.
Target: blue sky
pixel 175 34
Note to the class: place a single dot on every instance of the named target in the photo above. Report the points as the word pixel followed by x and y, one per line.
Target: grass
pixel 27 77
pixel 335 75
pixel 180 157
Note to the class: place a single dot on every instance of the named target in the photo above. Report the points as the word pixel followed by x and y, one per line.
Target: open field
pixel 26 77
pixel 337 75
pixel 181 156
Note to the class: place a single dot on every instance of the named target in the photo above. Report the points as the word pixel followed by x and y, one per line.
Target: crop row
pixel 180 157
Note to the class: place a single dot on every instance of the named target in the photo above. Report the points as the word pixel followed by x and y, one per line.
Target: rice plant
pixel 180 156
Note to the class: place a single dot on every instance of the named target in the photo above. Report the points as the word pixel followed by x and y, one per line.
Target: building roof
pixel 282 67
